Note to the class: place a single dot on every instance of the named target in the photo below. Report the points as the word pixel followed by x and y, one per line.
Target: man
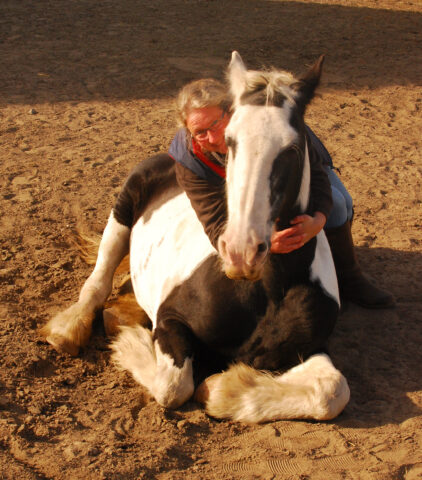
pixel 199 150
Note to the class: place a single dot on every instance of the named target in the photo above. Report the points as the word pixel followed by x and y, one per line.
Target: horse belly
pixel 167 245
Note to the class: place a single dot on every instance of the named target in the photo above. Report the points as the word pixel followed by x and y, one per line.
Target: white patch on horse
pixel 113 247
pixel 323 269
pixel 180 245
pixel 135 351
pixel 331 391
pixel 304 192
pixel 173 386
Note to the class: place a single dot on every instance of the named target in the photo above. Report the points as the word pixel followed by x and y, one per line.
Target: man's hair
pixel 207 92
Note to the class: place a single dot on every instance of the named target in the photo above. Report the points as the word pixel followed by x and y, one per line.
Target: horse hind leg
pixel 69 330
pixel 314 389
pixel 124 310
pixel 153 362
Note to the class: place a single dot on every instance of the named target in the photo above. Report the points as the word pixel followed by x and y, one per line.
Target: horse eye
pixel 232 144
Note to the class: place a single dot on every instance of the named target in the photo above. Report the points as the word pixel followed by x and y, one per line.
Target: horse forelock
pixel 270 88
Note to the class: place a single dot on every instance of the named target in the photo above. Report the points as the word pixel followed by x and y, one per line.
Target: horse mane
pixel 271 87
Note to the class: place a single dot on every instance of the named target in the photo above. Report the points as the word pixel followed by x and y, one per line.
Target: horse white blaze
pixel 260 133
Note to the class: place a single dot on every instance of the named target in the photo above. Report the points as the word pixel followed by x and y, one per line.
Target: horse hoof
pixel 63 345
pixel 202 393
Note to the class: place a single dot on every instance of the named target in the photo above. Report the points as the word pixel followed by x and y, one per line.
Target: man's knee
pixel 339 213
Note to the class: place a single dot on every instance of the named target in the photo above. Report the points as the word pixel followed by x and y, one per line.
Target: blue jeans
pixel 342 201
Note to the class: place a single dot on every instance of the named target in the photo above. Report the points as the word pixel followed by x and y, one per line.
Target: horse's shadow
pixel 379 350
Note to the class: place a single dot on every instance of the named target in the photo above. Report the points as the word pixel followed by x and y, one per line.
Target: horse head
pixel 268 173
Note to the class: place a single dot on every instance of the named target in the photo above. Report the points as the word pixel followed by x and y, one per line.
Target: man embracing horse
pixel 281 318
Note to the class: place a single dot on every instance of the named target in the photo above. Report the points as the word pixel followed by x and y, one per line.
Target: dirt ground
pixel 86 91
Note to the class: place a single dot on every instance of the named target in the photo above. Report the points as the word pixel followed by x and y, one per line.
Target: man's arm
pixel 305 227
pixel 207 199
pixel 209 202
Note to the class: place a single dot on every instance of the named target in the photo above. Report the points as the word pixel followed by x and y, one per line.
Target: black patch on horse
pixel 220 312
pixel 269 324
pixel 232 145
pixel 258 96
pixel 284 186
pixel 150 184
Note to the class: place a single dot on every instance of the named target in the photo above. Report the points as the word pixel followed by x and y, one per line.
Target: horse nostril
pixel 222 247
pixel 262 247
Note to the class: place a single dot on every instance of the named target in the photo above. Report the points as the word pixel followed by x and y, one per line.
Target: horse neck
pixel 300 203
pixel 284 270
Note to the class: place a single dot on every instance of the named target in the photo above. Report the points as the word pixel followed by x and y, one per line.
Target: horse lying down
pixel 265 317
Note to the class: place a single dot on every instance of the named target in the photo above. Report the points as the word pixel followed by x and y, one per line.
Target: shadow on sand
pixel 379 350
pixel 130 49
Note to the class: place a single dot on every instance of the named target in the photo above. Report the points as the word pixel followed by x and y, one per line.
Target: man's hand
pixel 304 228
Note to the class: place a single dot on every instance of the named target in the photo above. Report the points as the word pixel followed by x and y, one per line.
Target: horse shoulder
pixel 221 313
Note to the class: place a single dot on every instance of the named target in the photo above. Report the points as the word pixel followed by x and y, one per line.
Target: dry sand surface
pixel 86 92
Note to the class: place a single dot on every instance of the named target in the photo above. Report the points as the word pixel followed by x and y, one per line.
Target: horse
pixel 260 320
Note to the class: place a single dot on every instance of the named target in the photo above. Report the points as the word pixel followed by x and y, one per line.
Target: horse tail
pixel 314 389
pixel 87 245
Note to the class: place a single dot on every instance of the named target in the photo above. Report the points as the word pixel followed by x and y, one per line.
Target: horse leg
pixel 69 330
pixel 161 362
pixel 314 389
pixel 123 311
pixel 292 330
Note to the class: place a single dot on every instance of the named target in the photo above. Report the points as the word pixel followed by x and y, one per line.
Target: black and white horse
pixel 242 306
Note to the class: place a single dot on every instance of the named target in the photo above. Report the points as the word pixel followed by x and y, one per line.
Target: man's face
pixel 207 126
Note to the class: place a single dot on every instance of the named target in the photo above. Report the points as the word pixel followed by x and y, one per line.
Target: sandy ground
pixel 86 92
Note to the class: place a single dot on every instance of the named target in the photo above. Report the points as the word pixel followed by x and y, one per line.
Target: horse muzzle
pixel 246 262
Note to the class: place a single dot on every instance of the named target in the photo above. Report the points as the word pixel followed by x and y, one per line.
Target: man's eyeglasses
pixel 202 135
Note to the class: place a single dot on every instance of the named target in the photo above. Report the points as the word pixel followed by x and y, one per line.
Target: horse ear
pixel 237 75
pixel 308 83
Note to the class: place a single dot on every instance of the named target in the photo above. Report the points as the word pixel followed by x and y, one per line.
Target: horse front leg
pixel 161 362
pixel 295 329
pixel 314 390
pixel 69 330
